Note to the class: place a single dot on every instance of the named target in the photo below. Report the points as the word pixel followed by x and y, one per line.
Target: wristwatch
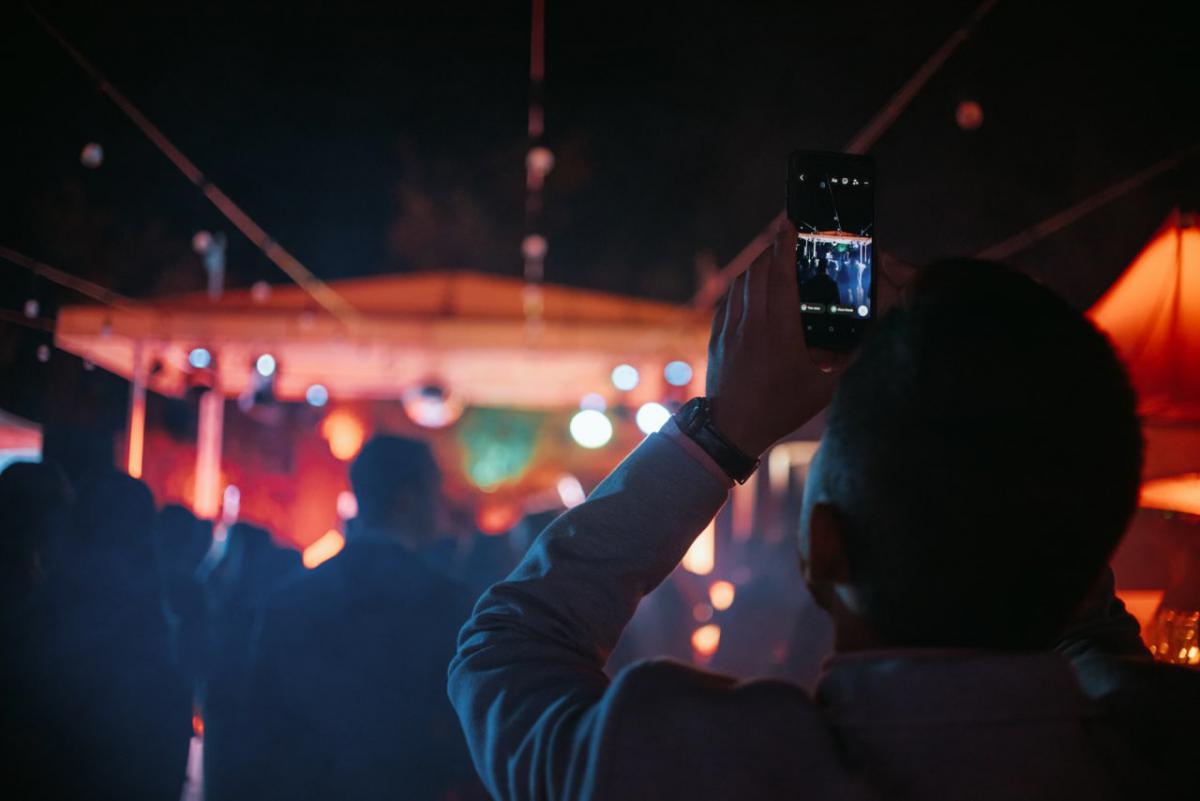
pixel 695 420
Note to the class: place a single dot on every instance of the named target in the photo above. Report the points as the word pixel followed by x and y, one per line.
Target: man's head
pixel 396 483
pixel 981 461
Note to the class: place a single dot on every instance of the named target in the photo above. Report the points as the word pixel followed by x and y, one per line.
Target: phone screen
pixel 831 201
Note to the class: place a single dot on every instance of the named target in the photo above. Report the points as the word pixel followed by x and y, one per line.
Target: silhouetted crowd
pixel 129 630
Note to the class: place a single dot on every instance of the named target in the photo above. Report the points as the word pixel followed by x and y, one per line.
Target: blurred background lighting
pixel 625 377
pixel 591 429
pixel 678 374
pixel 317 395
pixel 651 417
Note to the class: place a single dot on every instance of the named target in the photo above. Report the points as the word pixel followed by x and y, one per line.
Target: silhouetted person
pixel 235 588
pixel 980 463
pixel 820 288
pixel 182 542
pixel 35 508
pixel 114 715
pixel 348 683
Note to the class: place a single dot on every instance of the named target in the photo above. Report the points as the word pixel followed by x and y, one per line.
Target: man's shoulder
pixel 669 726
pixel 664 689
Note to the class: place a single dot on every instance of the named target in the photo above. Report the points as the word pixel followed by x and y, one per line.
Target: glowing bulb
pixel 625 377
pixel 721 594
pixel 316 395
pixel 706 640
pixel 265 365
pixel 534 247
pixel 701 556
pixel 591 429
pixel 593 400
pixel 344 433
pixel 92 155
pixel 431 406
pixel 199 358
pixel 678 374
pixel 347 505
pixel 969 115
pixel 570 491
pixel 201 242
pixel 324 549
pixel 651 417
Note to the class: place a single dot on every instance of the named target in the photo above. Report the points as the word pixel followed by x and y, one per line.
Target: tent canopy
pixel 466 330
pixel 1152 314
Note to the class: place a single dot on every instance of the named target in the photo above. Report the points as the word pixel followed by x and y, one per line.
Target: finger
pixel 718 320
pixel 737 306
pixel 758 276
pixel 782 291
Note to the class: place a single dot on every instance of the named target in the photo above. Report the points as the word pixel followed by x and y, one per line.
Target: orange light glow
pixel 345 434
pixel 1174 494
pixel 324 549
pixel 1152 313
pixel 1142 604
pixel 137 435
pixel 197 724
pixel 721 594
pixel 701 557
pixel 497 518
pixel 706 640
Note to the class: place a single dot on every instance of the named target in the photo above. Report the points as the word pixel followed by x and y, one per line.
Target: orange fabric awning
pixel 1152 314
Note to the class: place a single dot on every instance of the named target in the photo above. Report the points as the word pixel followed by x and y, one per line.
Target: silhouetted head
pixel 980 463
pixel 35 503
pixel 182 539
pixel 114 518
pixel 396 483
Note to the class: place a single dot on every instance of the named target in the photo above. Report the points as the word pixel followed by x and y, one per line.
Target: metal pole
pixel 207 501
pixel 135 429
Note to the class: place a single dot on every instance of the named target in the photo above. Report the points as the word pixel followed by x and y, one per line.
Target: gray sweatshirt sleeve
pixel 528 681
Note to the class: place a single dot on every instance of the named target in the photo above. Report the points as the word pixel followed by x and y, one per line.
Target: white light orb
pixel 32 308
pixel 677 373
pixel 265 365
pixel 591 429
pixel 570 491
pixel 625 377
pixel 199 358
pixel 651 417
pixel 316 395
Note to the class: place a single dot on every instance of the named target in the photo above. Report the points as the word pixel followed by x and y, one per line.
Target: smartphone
pixel 831 201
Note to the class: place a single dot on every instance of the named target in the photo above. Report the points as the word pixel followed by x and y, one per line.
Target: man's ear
pixel 826 562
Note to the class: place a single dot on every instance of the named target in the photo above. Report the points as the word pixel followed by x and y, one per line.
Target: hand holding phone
pixel 831 202
pixel 762 380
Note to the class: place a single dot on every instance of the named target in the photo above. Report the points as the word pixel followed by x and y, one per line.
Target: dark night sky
pixel 370 137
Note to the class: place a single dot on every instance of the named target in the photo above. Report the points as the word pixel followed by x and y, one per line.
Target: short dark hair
pixel 386 467
pixel 984 454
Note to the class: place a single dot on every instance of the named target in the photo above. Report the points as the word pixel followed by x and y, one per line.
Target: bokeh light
pixel 625 377
pixel 345 434
pixel 265 365
pixel 200 358
pixel 591 429
pixel 706 640
pixel 678 374
pixel 317 395
pixel 651 417
pixel 721 595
